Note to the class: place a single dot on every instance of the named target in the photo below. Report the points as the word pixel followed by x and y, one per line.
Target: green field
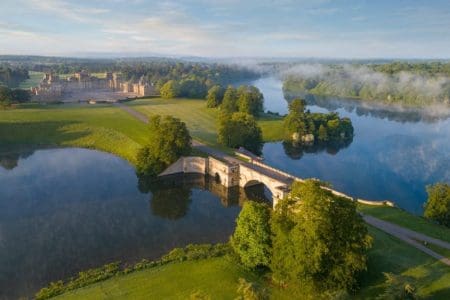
pixel 99 127
pixel 218 277
pixel 202 121
pixel 407 220
pixel 109 128
pixel 34 80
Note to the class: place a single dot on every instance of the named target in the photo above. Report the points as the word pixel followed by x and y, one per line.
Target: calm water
pixel 66 210
pixel 394 153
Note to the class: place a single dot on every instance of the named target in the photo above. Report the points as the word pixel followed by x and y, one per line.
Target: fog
pixel 346 75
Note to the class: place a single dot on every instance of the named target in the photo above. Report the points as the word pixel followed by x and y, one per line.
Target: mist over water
pixel 394 154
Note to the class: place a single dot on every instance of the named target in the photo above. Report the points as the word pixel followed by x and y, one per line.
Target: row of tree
pixel 11 96
pixel 303 127
pixel 313 239
pixel 246 99
pixel 12 77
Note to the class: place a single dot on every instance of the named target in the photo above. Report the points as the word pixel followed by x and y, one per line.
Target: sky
pixel 227 28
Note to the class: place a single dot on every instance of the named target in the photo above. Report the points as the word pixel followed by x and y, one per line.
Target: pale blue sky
pixel 228 28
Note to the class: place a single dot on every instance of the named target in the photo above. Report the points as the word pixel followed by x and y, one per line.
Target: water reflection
pixel 295 150
pixel 66 210
pixel 9 160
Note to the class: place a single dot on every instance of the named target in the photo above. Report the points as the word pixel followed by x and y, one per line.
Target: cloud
pixel 60 8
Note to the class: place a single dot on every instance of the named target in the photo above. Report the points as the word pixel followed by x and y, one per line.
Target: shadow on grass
pixel 17 134
pixel 390 255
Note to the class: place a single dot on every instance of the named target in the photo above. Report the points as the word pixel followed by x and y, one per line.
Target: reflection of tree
pixel 10 160
pixel 376 110
pixel 296 150
pixel 172 203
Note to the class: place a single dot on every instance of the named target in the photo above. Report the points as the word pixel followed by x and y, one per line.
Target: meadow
pixel 217 278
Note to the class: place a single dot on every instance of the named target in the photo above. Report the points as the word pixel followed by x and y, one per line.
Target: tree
pixel 170 89
pixel 437 207
pixel 250 100
pixel 251 239
pixel 215 96
pixel 240 130
pixel 229 102
pixel 323 136
pixel 169 139
pixel 318 239
pixel 5 96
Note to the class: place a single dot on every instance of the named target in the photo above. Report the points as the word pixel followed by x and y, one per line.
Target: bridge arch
pixel 249 176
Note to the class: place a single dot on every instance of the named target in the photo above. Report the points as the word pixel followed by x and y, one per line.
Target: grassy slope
pixel 215 277
pixel 105 128
pixel 407 220
pixel 202 121
pixel 218 277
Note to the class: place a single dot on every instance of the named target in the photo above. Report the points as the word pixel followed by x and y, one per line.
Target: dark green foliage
pixel 437 207
pixel 12 77
pixel 411 84
pixel 9 96
pixel 319 239
pixel 229 102
pixel 169 139
pixel 398 287
pixel 246 99
pixel 192 88
pixel 251 239
pixel 190 252
pixel 325 128
pixel 170 89
pixel 215 96
pixel 250 100
pixel 251 291
pixel 240 130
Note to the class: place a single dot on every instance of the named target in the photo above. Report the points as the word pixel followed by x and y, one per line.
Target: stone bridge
pixel 236 173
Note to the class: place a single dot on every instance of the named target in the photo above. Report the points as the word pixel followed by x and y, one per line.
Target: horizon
pixel 228 29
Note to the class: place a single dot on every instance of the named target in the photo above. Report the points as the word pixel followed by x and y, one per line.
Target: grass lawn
pixel 34 80
pixel 218 277
pixel 101 127
pixel 407 220
pixel 201 121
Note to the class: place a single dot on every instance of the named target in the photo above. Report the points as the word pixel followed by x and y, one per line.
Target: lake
pixel 394 154
pixel 66 210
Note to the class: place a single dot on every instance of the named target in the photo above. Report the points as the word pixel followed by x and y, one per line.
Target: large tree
pixel 170 89
pixel 229 102
pixel 250 100
pixel 169 139
pixel 239 130
pixel 437 207
pixel 215 96
pixel 319 239
pixel 251 240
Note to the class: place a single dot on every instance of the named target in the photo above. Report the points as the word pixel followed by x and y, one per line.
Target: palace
pixel 54 88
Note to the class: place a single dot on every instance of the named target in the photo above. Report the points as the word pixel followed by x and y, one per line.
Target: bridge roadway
pixel 287 180
pixel 413 238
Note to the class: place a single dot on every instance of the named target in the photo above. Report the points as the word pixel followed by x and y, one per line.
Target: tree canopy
pixel 169 139
pixel 215 96
pixel 318 239
pixel 9 96
pixel 302 126
pixel 240 129
pixel 437 207
pixel 251 239
pixel 170 89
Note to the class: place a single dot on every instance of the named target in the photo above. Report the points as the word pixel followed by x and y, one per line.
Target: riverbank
pixel 108 128
pixel 217 278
